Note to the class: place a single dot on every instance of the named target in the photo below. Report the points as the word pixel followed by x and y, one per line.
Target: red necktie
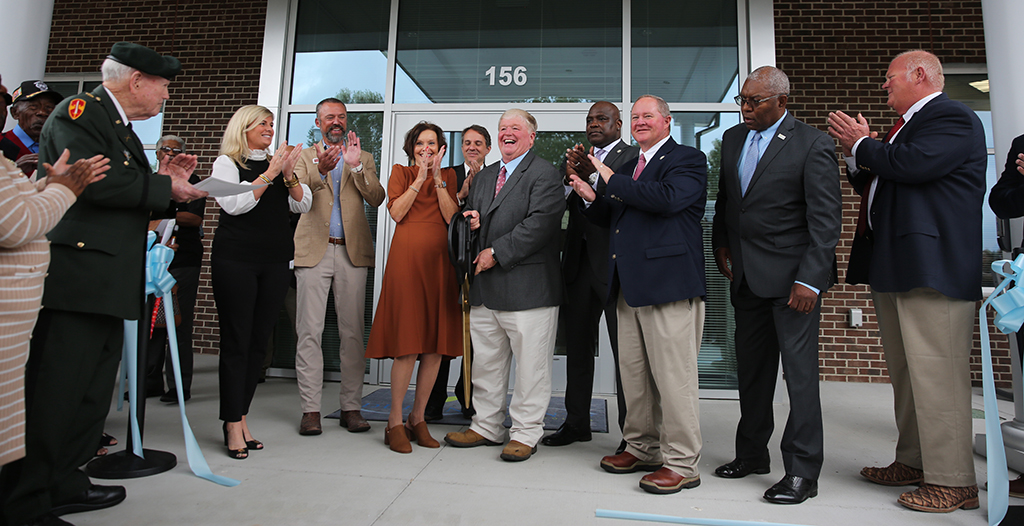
pixel 896 127
pixel 501 181
pixel 641 162
pixel 862 215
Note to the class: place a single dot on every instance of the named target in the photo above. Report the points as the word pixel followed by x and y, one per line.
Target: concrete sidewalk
pixel 353 479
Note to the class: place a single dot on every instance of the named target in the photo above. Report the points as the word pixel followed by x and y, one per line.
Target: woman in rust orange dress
pixel 418 314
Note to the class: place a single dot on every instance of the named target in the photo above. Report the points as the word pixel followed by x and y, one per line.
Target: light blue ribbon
pixel 129 359
pixel 159 282
pixel 650 517
pixel 1009 307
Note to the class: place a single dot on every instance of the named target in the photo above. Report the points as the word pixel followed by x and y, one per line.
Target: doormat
pixel 377 405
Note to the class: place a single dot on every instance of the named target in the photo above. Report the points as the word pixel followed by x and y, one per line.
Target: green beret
pixel 145 60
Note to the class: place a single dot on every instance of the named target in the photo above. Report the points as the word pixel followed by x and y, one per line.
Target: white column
pixel 26 40
pixel 1003 41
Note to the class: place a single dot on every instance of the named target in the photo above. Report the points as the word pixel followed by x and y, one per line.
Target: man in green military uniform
pixel 95 282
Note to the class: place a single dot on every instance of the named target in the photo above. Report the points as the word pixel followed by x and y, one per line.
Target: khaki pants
pixel 927 342
pixel 658 346
pixel 312 284
pixel 529 336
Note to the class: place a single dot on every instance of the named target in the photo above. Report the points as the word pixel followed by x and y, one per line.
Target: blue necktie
pixel 749 162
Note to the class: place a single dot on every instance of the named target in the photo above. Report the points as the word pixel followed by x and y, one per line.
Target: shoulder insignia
pixel 76 108
pixel 90 95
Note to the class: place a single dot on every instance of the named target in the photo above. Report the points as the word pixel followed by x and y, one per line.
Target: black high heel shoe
pixel 237 454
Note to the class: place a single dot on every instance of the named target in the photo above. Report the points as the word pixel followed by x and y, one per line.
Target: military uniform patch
pixel 76 108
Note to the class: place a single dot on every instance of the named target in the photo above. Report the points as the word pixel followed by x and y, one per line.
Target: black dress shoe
pixel 792 490
pixel 567 434
pixel 47 520
pixel 738 469
pixel 95 498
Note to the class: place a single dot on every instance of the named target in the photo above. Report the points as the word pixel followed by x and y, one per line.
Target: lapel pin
pixel 660 158
pixel 781 136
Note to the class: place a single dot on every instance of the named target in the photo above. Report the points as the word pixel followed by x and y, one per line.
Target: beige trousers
pixel 927 341
pixel 658 346
pixel 312 285
pixel 529 336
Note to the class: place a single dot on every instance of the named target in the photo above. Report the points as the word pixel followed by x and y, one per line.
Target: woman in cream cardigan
pixel 27 212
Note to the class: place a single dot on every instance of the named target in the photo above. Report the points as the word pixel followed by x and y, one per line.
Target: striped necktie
pixel 501 181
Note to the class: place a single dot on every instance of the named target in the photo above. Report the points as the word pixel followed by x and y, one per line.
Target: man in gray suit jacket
pixel 779 209
pixel 516 207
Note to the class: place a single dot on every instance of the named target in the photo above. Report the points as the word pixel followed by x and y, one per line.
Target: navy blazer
pixel 656 250
pixel 926 213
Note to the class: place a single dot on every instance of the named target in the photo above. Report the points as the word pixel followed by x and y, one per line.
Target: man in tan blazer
pixel 333 246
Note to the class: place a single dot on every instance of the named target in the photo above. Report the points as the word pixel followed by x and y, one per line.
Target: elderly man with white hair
pixel 95 282
pixel 516 205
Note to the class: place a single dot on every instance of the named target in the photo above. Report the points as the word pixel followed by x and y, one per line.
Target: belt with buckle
pixel 336 240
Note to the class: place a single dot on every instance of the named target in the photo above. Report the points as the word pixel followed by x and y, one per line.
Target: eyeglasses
pixel 753 102
pixel 168 149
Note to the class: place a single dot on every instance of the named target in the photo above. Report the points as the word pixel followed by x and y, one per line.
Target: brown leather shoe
pixel 397 438
pixel 468 438
pixel 516 451
pixel 310 424
pixel 665 481
pixel 354 421
pixel 1017 487
pixel 625 462
pixel 941 499
pixel 421 435
pixel 895 474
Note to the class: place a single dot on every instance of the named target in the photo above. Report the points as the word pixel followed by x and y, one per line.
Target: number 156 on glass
pixel 507 75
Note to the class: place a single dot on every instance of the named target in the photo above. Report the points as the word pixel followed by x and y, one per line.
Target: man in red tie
pixel 654 206
pixel 920 253
pixel 516 207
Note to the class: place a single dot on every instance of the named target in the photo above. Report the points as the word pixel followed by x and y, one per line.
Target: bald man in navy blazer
pixel 918 245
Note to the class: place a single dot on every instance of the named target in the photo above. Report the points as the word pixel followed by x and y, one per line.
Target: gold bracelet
pixel 291 184
pixel 413 189
pixel 266 179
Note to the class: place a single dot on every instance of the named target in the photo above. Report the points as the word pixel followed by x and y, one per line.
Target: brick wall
pixel 836 54
pixel 220 45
